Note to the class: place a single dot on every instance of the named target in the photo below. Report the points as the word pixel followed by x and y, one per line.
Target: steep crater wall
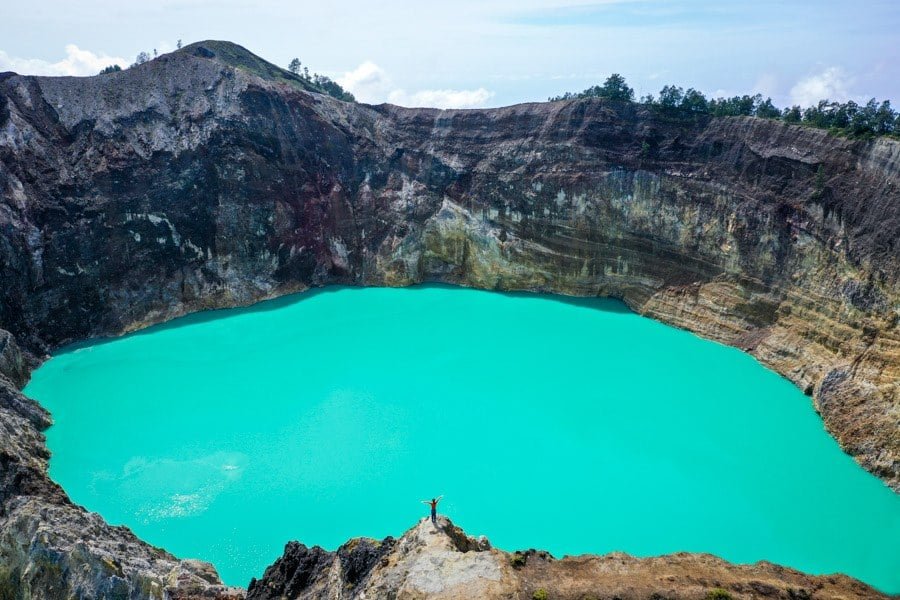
pixel 188 183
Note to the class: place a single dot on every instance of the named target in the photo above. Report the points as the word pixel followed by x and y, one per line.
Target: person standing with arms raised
pixel 433 503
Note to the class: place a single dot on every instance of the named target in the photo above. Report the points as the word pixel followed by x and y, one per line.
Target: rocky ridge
pixel 441 562
pixel 199 180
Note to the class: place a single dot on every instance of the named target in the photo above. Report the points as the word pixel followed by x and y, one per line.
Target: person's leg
pixel 434 516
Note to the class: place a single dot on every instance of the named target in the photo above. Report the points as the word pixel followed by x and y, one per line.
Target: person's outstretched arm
pixel 439 497
pixel 425 501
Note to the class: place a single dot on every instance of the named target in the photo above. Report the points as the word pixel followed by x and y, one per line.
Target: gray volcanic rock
pixel 429 562
pixel 12 363
pixel 301 568
pixel 207 178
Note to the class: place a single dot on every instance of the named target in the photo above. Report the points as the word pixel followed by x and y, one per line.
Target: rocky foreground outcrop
pixel 201 180
pixel 441 562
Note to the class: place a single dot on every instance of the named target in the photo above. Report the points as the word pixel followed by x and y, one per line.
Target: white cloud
pixel 370 83
pixel 441 98
pixel 830 84
pixel 76 62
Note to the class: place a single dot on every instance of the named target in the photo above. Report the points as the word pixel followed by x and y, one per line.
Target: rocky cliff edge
pixel 441 562
pixel 208 178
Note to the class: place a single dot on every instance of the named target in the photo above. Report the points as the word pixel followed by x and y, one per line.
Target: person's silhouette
pixel 433 504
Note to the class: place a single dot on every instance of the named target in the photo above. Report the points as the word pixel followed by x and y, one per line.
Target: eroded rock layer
pixel 197 181
pixel 441 562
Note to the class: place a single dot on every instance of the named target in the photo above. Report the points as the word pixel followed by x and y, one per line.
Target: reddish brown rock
pixel 206 178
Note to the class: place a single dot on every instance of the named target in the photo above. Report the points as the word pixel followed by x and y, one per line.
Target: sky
pixel 474 53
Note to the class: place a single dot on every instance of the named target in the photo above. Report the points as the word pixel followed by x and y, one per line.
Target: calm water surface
pixel 573 427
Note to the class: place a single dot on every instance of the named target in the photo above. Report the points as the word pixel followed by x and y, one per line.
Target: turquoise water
pixel 570 426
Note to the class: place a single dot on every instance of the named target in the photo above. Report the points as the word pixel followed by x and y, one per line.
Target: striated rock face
pixel 200 180
pixel 430 562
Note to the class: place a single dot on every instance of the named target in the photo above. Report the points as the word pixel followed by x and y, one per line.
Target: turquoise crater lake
pixel 574 427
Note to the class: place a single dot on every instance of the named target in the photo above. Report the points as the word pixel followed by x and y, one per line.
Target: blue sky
pixel 491 53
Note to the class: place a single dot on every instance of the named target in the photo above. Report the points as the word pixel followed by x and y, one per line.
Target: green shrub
pixel 872 119
pixel 540 594
pixel 718 594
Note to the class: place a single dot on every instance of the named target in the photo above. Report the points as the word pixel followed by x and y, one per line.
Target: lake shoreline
pixel 190 500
